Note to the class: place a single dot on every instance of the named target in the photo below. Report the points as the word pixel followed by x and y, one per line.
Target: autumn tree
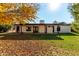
pixel 11 13
pixel 18 12
pixel 74 10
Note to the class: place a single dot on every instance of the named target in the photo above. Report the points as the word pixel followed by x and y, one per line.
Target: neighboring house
pixel 43 28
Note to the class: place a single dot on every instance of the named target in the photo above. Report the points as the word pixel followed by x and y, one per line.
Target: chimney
pixel 41 21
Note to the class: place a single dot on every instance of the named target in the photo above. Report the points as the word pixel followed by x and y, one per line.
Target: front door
pixel 17 28
pixel 35 29
pixel 58 29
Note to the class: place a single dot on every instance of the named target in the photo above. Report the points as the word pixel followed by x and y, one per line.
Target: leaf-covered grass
pixel 39 44
pixel 70 42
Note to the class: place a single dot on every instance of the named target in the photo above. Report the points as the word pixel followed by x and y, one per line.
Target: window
pixel 49 26
pixel 28 29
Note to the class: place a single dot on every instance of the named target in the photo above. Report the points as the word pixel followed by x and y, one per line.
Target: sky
pixel 50 12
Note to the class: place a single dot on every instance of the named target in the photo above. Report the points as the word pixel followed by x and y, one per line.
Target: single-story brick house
pixel 43 28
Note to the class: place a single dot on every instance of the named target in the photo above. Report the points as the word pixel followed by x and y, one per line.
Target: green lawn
pixel 39 44
pixel 70 41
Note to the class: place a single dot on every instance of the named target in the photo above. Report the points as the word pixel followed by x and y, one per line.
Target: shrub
pixel 4 28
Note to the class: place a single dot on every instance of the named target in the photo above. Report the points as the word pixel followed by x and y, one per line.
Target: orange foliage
pixel 10 12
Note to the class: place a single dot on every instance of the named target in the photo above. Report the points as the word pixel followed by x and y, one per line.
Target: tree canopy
pixel 17 12
pixel 74 10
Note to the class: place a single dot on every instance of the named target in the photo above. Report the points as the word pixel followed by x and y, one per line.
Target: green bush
pixel 75 28
pixel 4 28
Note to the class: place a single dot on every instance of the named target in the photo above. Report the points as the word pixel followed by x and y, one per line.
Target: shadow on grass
pixel 24 36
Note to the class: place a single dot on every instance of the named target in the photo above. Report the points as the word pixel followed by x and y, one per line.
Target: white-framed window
pixel 28 28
